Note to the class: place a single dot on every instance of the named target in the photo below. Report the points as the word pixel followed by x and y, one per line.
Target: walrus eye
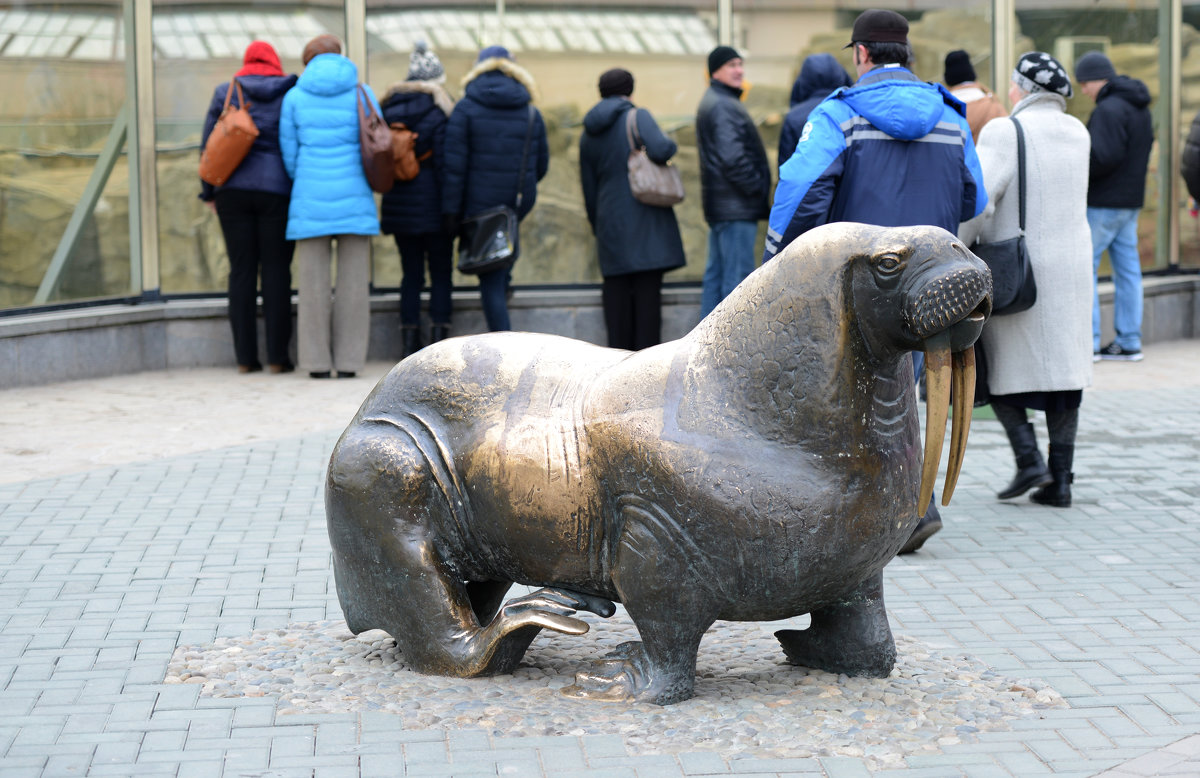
pixel 888 265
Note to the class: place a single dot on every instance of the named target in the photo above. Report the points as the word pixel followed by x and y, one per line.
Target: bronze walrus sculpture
pixel 766 465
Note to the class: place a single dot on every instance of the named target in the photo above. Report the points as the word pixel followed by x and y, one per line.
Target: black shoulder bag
pixel 487 241
pixel 1013 286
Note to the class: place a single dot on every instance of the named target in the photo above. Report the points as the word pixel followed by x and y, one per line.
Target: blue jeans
pixel 1115 229
pixel 730 259
pixel 493 295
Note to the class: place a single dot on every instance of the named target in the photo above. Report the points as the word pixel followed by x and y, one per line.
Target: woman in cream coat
pixel 1040 358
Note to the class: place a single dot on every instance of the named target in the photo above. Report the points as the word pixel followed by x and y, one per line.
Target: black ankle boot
pixel 1057 493
pixel 439 332
pixel 926 528
pixel 1031 468
pixel 411 339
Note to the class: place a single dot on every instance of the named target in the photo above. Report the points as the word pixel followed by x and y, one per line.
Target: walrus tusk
pixel 937 406
pixel 963 397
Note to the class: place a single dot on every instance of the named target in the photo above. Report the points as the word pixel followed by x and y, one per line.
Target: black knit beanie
pixel 719 56
pixel 1038 71
pixel 616 82
pixel 958 68
pixel 1094 66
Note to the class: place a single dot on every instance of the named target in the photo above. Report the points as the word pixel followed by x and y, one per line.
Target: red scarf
pixel 260 60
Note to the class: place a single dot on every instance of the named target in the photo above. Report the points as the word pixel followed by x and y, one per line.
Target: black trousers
pixel 436 248
pixel 255 225
pixel 633 309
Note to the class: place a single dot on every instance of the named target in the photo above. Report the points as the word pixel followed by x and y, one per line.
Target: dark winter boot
pixel 439 332
pixel 1058 493
pixel 1031 468
pixel 926 528
pixel 411 339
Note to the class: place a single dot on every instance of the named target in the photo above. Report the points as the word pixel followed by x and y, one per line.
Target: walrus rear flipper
pixel 852 637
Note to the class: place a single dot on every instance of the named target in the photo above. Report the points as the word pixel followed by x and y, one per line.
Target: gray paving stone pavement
pixel 145 512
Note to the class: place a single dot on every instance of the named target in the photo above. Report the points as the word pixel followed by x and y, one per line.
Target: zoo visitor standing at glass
pixel 635 242
pixel 252 206
pixel 331 204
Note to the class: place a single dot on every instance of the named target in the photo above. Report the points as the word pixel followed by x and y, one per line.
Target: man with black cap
pixel 982 105
pixel 735 179
pixel 891 150
pixel 1122 134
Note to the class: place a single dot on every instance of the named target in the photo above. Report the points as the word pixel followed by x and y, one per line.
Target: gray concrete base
pixel 109 340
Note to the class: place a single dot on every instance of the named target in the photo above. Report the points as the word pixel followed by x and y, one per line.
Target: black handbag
pixel 488 240
pixel 1013 286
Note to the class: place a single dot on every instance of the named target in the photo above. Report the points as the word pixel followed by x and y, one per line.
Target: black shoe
pixel 410 338
pixel 281 367
pixel 346 374
pixel 1057 494
pixel 926 528
pixel 1031 468
pixel 319 374
pixel 1113 352
pixel 255 368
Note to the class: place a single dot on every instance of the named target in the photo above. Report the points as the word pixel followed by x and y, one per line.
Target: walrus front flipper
pixel 852 637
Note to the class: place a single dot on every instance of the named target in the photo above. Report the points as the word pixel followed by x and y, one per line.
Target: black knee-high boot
pixel 1058 492
pixel 1031 468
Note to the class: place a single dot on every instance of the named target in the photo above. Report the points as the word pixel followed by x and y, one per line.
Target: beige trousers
pixel 333 326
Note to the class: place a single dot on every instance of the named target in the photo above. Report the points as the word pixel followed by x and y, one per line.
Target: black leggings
pixel 1061 424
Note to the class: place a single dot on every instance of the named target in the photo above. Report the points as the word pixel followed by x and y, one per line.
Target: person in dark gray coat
pixel 635 243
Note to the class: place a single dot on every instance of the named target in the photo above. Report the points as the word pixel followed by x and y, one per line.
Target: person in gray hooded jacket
pixel 635 243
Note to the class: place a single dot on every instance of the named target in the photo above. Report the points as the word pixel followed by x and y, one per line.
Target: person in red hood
pixel 252 207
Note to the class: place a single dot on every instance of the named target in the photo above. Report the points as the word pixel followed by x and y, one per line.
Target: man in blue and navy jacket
pixel 891 150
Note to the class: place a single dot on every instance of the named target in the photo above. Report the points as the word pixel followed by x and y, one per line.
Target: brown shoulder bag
pixel 230 139
pixel 375 138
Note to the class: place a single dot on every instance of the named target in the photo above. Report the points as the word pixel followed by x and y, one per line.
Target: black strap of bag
pixel 524 157
pixel 1020 174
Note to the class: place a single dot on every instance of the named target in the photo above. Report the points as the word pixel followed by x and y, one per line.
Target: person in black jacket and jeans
pixel 412 211
pixel 252 207
pixel 735 178
pixel 635 243
pixel 484 141
pixel 1122 134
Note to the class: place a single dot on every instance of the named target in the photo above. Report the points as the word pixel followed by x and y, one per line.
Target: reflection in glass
pixel 63 73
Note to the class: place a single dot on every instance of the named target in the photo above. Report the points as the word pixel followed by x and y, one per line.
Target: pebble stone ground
pixel 144 515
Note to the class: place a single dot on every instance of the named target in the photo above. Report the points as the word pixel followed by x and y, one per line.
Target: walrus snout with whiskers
pixel 948 299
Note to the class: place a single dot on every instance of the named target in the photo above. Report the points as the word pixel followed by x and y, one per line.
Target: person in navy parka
pixel 331 200
pixel 252 208
pixel 635 243
pixel 484 140
pixel 819 76
pixel 412 210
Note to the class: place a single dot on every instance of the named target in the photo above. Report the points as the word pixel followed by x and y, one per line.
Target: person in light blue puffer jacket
pixel 331 201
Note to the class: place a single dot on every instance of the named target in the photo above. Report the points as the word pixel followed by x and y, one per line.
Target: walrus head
pixel 946 297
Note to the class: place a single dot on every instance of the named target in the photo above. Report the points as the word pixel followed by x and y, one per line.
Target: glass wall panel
pixel 196 47
pixel 1125 30
pixel 63 71
pixel 1189 99
pixel 565 47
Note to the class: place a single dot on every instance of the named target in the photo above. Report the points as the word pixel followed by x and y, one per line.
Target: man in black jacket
pixel 735 178
pixel 1122 134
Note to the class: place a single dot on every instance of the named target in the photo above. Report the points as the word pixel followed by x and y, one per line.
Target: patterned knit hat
pixel 1037 71
pixel 424 65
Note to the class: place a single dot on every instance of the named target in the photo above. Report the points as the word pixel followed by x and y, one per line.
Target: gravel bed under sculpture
pixel 748 703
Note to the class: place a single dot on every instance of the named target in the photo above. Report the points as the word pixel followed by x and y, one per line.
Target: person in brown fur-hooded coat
pixel 412 211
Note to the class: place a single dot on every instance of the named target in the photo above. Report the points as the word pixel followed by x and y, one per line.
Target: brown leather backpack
pixel 404 152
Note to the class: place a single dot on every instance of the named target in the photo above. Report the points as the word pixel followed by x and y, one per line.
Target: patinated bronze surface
pixel 767 465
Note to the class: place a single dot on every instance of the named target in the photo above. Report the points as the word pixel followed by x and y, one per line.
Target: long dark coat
pixel 631 237
pixel 415 207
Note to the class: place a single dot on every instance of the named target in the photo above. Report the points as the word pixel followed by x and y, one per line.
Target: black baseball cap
pixel 879 26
